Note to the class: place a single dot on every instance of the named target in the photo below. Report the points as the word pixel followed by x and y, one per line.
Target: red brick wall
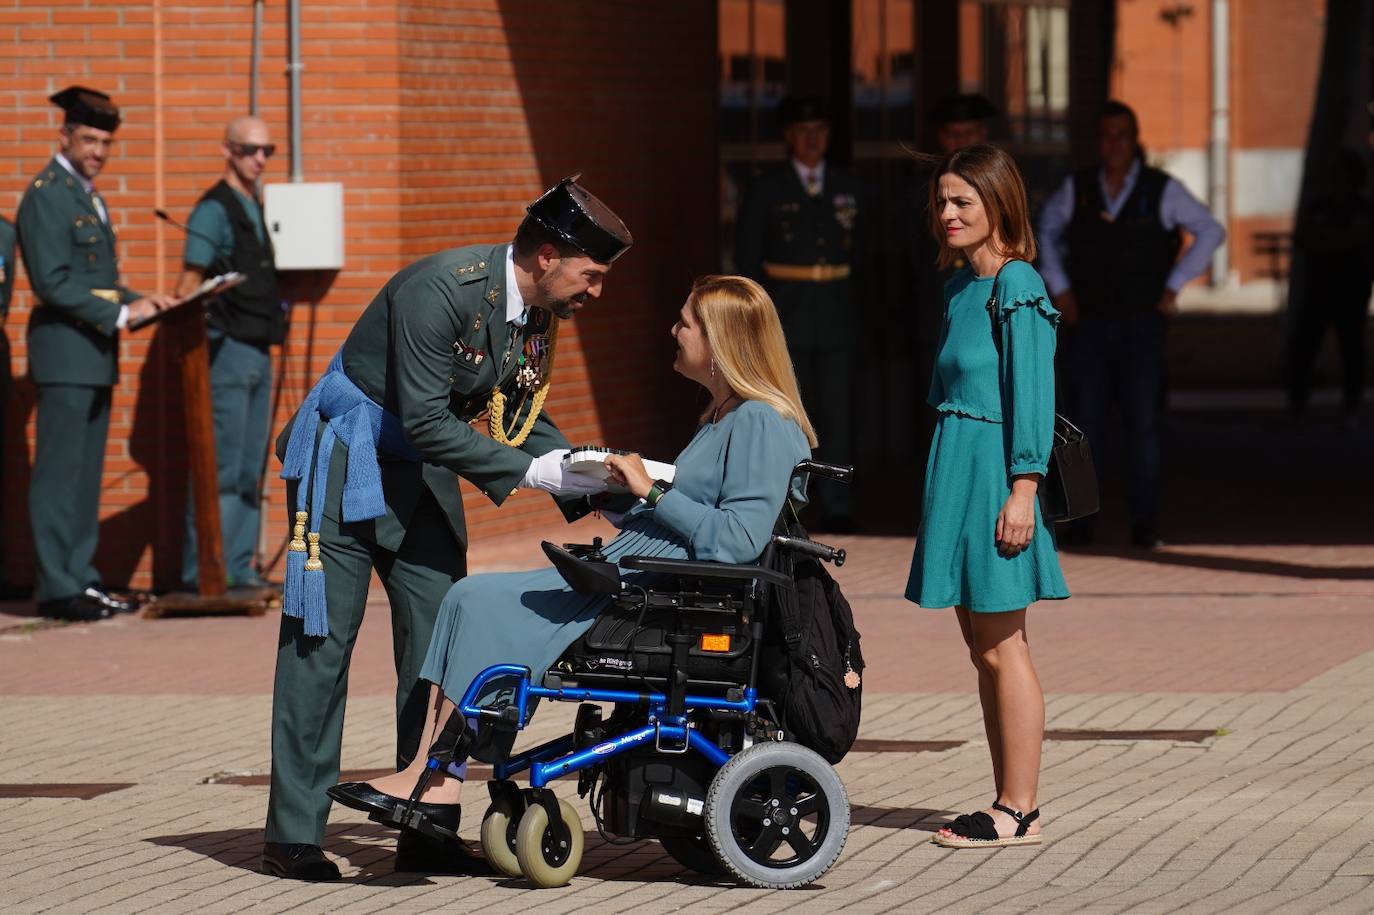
pixel 442 119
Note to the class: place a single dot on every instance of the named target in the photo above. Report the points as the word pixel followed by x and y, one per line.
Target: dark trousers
pixel 311 686
pixel 1117 370
pixel 240 397
pixel 1337 297
pixel 826 379
pixel 64 491
pixel 6 392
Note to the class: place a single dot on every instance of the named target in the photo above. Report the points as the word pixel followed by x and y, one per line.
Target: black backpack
pixel 811 656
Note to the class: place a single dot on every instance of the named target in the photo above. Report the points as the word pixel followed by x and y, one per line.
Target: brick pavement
pixel 1268 644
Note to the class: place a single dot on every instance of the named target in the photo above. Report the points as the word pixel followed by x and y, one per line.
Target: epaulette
pixel 48 178
pixel 471 270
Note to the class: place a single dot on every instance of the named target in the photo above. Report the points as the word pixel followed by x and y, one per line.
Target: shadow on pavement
pixel 1174 557
pixel 923 818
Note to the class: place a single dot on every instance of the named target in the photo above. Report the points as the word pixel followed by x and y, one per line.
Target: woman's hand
pixel 628 470
pixel 1016 520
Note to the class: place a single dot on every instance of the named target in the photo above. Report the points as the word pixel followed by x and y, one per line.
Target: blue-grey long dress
pixel 729 488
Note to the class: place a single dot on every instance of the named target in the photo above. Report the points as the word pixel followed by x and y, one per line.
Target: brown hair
pixel 741 325
pixel 992 173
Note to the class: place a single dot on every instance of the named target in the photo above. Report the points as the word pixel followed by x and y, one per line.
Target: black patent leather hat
pixel 572 213
pixel 87 106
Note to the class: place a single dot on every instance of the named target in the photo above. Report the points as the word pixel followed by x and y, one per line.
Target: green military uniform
pixel 73 344
pixel 7 270
pixel 802 248
pixel 429 349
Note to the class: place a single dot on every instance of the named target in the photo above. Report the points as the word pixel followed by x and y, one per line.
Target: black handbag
pixel 1069 490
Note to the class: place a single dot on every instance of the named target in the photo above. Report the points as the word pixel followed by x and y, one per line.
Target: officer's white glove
pixel 546 472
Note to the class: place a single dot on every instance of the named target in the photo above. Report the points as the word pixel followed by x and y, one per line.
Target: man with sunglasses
pixel 67 238
pixel 226 232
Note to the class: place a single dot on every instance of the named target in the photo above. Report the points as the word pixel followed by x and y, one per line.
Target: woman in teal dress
pixel 983 547
pixel 727 492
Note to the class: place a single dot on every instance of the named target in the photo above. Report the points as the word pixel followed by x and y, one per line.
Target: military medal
pixel 532 379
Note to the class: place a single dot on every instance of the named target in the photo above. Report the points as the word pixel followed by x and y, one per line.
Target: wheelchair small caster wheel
pixel 549 853
pixel 777 815
pixel 499 826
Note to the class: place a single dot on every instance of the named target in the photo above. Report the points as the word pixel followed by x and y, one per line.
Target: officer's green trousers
pixel 64 491
pixel 312 673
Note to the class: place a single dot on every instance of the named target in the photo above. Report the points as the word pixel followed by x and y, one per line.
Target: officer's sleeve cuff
pixel 123 318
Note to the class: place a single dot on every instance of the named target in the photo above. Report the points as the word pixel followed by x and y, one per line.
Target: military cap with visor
pixel 572 213
pixel 88 107
pixel 963 106
pixel 796 109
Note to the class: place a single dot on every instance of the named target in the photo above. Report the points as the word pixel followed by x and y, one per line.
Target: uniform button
pixel 94 239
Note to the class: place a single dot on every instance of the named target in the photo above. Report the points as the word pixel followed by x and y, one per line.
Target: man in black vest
pixel 1117 285
pixel 227 233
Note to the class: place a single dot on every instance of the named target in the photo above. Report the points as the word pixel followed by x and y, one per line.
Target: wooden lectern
pixel 185 322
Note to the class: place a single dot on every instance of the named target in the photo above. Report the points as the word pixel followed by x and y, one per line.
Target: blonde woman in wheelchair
pixel 730 485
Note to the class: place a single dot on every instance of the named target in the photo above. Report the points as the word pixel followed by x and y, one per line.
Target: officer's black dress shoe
pixel 297 862
pixel 1145 535
pixel 416 854
pixel 108 600
pixel 75 609
pixel 364 797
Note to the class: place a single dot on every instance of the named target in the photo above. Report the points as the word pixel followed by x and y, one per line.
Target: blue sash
pixel 350 416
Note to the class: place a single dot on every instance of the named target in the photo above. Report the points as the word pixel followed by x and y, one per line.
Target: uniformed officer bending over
pixel 796 237
pixel 68 243
pixel 227 233
pixel 371 458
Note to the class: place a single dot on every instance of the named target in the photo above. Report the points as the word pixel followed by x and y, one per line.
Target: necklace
pixel 715 414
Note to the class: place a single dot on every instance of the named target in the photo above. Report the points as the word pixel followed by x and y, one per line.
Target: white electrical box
pixel 306 223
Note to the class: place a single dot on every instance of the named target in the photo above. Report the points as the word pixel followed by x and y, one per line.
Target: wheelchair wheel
pixel 549 853
pixel 777 815
pixel 693 853
pixel 499 826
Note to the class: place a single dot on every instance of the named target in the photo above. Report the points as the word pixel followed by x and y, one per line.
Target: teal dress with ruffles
pixel 981 441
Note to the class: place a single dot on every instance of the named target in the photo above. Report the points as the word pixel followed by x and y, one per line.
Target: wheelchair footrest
pixel 418 822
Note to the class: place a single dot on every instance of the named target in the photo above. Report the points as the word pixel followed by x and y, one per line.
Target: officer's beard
pixel 562 307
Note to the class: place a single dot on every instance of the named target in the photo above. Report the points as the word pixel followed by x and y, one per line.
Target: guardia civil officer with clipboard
pixel 370 460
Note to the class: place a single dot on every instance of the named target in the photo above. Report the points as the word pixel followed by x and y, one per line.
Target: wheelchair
pixel 691 754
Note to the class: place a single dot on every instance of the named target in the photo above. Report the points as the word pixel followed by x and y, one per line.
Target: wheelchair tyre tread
pixel 529 841
pixel 752 777
pixel 499 825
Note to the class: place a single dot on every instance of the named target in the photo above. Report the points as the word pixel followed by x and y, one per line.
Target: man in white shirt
pixel 1112 257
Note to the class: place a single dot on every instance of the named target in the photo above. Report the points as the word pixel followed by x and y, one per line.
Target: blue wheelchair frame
pixel 545 762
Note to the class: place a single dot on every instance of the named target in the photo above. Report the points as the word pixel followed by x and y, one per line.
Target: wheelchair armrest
pixel 690 568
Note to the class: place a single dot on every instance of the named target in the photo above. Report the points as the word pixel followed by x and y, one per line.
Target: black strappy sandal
pixel 977 830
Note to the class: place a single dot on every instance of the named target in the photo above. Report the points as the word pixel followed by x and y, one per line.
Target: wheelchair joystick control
pixel 596 555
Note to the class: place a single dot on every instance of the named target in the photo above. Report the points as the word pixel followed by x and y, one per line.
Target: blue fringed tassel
pixel 293 593
pixel 316 611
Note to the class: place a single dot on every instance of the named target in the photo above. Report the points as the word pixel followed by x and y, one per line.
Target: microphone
pixel 162 214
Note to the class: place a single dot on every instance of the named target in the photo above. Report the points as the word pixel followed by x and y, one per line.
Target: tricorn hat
pixel 963 106
pixel 569 211
pixel 795 109
pixel 87 106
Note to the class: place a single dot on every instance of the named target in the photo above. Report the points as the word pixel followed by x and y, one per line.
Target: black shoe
pixel 1145 535
pixel 297 862
pixel 106 599
pixel 76 609
pixel 418 855
pixel 382 807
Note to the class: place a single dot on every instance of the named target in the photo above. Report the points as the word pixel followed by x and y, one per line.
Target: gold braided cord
pixel 497 406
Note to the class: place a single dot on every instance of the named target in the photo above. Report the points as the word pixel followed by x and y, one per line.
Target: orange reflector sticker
pixel 715 643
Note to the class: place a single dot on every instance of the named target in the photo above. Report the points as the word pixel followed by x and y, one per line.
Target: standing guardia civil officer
pixel 7 269
pixel 227 233
pixel 68 242
pixel 796 236
pixel 371 459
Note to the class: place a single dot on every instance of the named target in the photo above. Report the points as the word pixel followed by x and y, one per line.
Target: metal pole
pixel 1219 153
pixel 293 72
pixel 257 58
